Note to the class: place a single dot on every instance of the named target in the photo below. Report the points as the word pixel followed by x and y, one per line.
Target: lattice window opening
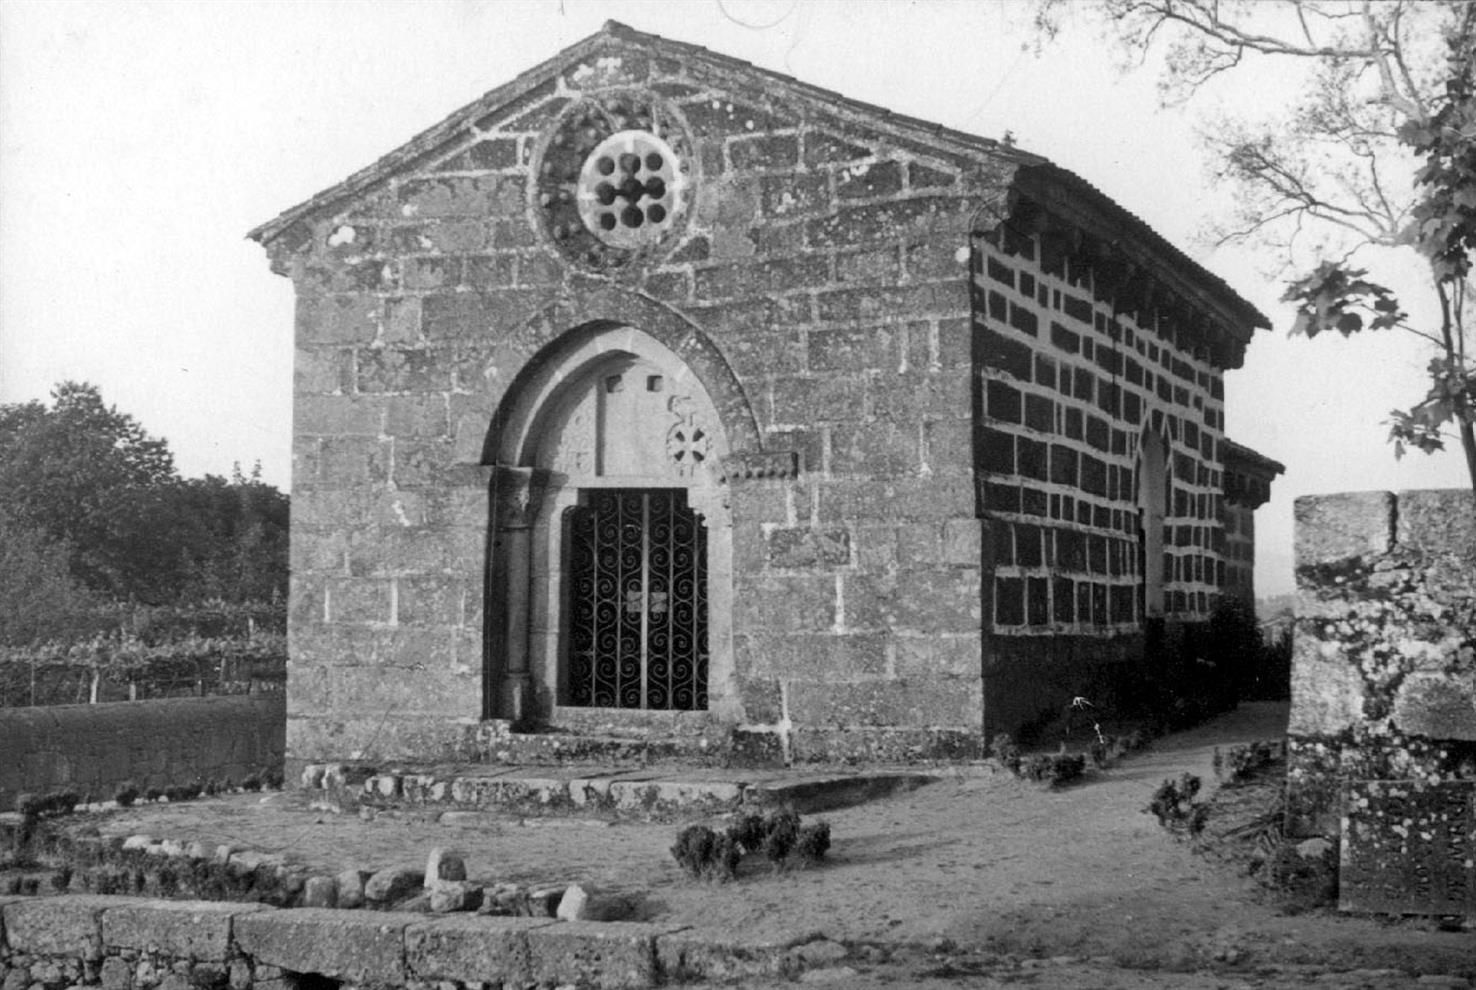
pixel 629 189
pixel 571 151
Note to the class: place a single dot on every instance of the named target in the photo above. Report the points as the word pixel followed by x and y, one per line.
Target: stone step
pixel 606 790
pixel 558 747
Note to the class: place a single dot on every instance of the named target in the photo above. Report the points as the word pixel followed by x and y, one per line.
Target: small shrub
pixel 1103 752
pixel 1006 752
pixel 781 836
pixel 47 805
pixel 1303 881
pixel 1240 763
pixel 783 830
pixel 61 878
pixel 126 795
pixel 1173 805
pixel 1066 767
pixel 748 832
pixel 706 855
pixel 1054 769
pixel 273 778
pixel 251 783
pixel 812 843
pixel 1035 768
pixel 153 794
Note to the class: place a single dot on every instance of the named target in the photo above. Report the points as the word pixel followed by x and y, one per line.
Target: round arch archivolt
pixel 542 341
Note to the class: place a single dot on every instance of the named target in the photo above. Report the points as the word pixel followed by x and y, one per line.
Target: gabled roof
pixel 1048 181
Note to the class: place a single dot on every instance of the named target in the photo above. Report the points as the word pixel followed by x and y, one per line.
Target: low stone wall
pixel 91 940
pixel 92 749
pixel 1382 738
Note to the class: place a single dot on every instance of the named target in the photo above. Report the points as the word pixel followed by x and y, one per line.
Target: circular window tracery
pixel 629 188
pixel 613 178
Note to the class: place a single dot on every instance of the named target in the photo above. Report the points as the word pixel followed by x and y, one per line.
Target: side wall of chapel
pixel 1071 389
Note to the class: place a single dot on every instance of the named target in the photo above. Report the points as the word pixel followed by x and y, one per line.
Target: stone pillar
pixel 517 493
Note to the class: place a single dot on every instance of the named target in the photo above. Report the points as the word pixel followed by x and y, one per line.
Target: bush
pixel 1006 752
pixel 812 843
pixel 781 836
pixel 126 795
pixel 706 855
pixel 1173 805
pixel 1055 769
pixel 1240 763
pixel 783 829
pixel 52 805
pixel 1304 881
pixel 748 832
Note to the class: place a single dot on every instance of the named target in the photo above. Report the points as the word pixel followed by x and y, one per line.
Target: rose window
pixel 629 189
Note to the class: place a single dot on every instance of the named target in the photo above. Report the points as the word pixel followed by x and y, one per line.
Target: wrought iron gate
pixel 638 601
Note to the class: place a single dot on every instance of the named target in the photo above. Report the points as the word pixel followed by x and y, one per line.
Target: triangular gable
pixel 830 117
pixel 542 80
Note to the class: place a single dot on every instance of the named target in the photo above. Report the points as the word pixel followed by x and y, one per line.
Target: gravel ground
pixel 980 865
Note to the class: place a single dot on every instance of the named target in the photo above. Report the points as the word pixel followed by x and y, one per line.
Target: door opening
pixel 638 601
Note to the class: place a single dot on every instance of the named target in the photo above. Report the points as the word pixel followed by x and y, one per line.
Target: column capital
pixel 516 494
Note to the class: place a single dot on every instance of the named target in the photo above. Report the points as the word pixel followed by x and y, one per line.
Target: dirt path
pixel 979 859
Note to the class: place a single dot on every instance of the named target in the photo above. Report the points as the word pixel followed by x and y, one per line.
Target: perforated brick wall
pixel 1070 389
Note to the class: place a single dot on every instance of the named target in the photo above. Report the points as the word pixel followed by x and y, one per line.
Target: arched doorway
pixel 608 491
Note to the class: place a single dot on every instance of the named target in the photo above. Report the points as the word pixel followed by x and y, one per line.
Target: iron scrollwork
pixel 638 630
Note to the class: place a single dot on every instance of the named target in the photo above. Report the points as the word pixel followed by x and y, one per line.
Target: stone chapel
pixel 657 393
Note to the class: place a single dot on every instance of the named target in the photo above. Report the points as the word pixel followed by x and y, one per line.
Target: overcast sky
pixel 140 141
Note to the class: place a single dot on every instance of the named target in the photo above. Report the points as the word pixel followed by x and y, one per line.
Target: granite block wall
pixel 1384 687
pixel 131 943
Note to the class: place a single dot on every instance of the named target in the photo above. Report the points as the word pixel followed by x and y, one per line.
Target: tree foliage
pixel 39 600
pixel 87 483
pixel 1377 152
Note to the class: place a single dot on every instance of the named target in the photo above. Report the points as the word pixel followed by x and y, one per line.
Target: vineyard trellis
pixel 152 653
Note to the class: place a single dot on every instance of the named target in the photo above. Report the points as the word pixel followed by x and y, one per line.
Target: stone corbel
pixel 764 464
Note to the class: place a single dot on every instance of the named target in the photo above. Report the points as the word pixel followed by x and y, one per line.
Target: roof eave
pixel 429 139
pixel 1068 193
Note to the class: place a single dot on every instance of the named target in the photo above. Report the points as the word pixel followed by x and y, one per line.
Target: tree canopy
pixel 1378 152
pixel 93 486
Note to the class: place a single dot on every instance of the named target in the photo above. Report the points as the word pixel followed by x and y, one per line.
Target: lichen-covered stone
pixel 66 926
pixel 611 954
pixel 480 948
pixel 190 929
pixel 355 946
pixel 391 884
pixel 1383 680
